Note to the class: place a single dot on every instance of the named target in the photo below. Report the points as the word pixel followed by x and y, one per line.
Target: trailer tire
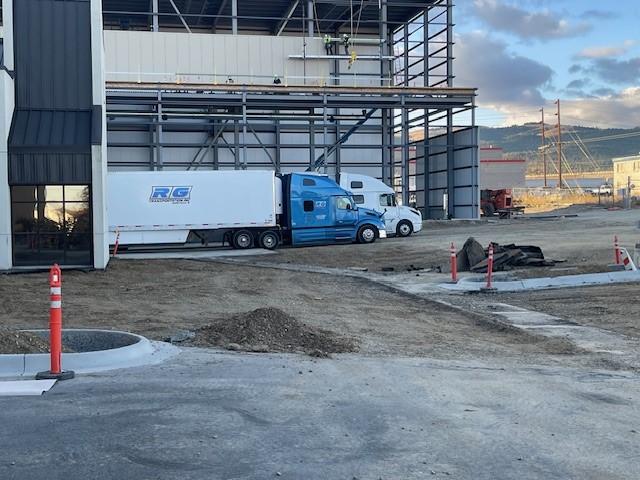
pixel 269 240
pixel 242 239
pixel 367 234
pixel 404 228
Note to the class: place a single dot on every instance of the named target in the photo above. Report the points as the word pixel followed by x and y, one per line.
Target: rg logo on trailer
pixel 170 194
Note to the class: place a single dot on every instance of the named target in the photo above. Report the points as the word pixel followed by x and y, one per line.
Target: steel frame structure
pixel 416 58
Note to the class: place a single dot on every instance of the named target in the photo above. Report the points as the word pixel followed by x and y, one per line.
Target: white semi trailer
pixel 245 207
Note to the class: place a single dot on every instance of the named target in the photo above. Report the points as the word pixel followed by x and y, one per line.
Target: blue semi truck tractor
pixel 244 208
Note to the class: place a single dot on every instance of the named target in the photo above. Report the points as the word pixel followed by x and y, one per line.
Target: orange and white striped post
pixel 616 247
pixel 454 263
pixel 117 243
pixel 490 267
pixel 55 328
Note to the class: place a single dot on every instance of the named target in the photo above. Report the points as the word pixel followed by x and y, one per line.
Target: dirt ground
pixel 585 242
pixel 16 342
pixel 159 298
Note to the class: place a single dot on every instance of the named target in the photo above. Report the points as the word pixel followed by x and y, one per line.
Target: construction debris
pixel 473 257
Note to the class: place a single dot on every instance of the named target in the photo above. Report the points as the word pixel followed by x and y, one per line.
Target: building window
pixel 355 184
pixel 359 199
pixel 308 205
pixel 51 224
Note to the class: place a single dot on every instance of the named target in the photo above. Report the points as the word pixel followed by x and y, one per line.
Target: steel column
pixel 310 18
pixel 154 21
pixel 234 15
pixel 159 134
pixel 426 144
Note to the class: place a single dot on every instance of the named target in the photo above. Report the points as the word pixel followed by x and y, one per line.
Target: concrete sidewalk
pixel 209 415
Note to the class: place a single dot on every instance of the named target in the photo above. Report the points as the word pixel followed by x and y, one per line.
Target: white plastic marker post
pixel 55 329
pixel 627 261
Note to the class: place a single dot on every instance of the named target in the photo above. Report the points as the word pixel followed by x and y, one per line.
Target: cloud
pixel 503 79
pixel 542 25
pixel 595 14
pixel 604 92
pixel 606 51
pixel 512 85
pixel 616 110
pixel 575 68
pixel 578 83
pixel 617 71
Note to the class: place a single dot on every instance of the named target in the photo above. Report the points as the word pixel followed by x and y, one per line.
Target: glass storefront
pixel 51 224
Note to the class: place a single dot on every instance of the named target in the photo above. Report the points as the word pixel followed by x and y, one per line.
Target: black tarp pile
pixel 473 257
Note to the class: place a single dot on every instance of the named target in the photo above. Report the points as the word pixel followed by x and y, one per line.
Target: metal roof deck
pixel 261 15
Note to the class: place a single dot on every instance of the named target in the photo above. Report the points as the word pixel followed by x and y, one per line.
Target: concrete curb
pixel 475 284
pixel 142 352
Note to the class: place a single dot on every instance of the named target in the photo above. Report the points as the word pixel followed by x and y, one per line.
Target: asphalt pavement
pixel 207 414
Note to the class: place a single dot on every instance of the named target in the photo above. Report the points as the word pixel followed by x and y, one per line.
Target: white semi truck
pixel 371 193
pixel 245 208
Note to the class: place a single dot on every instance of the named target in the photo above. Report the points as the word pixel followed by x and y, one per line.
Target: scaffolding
pixel 424 128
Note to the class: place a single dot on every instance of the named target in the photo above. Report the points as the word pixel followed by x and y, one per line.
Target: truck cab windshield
pixel 387 200
pixel 345 203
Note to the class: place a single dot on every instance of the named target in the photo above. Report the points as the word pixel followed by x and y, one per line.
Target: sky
pixel 524 54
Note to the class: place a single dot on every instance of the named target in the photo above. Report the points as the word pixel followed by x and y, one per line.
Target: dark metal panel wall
pixel 51 132
pixel 49 168
pixel 53 54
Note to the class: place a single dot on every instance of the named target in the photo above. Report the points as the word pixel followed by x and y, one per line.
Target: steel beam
pixel 180 16
pixel 221 8
pixel 287 16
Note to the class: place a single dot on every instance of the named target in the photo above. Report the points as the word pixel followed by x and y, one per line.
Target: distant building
pixel 498 173
pixel 623 169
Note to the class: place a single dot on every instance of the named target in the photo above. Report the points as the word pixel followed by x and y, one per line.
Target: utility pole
pixel 559 146
pixel 544 149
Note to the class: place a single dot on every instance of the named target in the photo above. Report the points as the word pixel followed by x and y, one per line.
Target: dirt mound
pixel 270 330
pixel 14 341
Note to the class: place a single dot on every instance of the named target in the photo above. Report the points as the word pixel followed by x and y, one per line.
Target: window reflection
pixel 51 223
pixel 77 218
pixel 51 193
pixel 51 216
pixel 76 193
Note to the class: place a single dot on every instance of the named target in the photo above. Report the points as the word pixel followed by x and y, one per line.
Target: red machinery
pixel 497 201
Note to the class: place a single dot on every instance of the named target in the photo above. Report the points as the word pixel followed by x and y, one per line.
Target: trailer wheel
pixel 269 240
pixel 367 234
pixel 242 239
pixel 404 228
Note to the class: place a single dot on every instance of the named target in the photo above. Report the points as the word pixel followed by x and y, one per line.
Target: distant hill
pixel 524 141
